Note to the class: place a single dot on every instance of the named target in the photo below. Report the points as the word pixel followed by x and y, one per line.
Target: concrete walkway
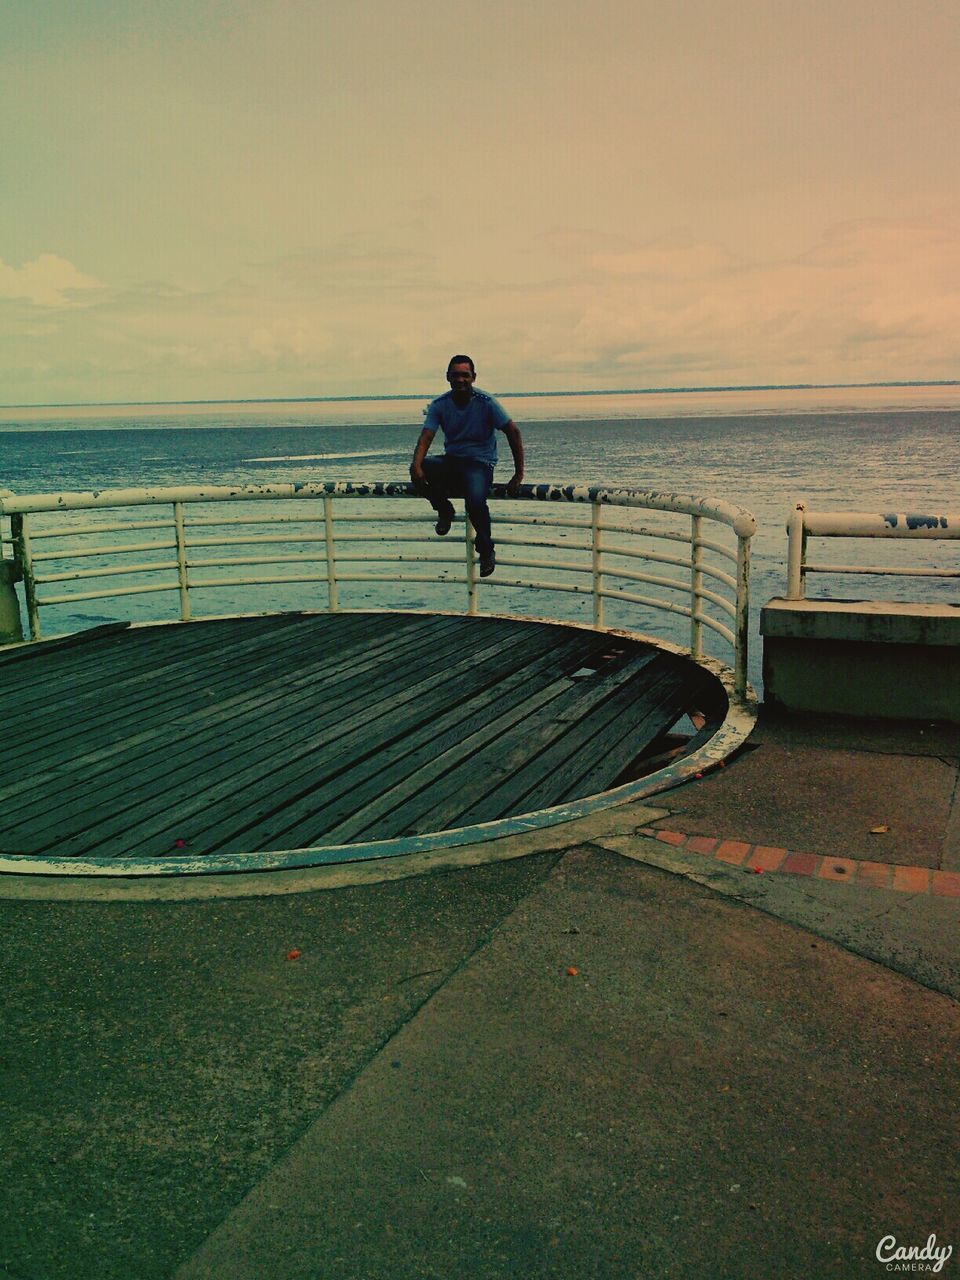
pixel 619 1057
pixel 885 793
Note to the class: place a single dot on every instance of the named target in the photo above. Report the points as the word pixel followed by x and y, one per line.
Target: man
pixel 469 420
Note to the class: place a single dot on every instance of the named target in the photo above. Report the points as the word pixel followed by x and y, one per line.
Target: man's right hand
pixel 416 466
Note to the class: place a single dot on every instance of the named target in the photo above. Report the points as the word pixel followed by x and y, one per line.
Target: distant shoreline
pixel 429 395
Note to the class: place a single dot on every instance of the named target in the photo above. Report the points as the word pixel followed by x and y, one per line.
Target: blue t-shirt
pixel 468 432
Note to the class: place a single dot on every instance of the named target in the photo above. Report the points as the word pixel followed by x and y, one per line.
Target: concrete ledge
pixel 862 658
pixel 866 621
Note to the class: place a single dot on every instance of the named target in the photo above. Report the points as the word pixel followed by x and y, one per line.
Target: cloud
pixel 48 281
pixel 869 301
pixel 674 259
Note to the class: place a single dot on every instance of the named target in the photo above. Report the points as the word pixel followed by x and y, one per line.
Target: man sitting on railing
pixel 470 420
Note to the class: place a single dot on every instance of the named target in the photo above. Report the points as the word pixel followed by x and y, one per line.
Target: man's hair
pixel 460 360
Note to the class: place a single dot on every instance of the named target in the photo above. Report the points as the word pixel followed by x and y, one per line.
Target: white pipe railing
pixel 327 545
pixel 804 524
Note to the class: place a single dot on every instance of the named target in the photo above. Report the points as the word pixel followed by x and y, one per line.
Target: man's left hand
pixel 513 485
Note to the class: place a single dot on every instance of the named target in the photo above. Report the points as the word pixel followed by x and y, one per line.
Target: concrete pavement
pixel 614 1058
pixel 634 1078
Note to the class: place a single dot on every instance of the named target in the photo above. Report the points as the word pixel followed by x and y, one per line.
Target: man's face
pixel 461 378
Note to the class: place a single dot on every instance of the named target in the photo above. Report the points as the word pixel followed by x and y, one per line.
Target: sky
pixel 228 199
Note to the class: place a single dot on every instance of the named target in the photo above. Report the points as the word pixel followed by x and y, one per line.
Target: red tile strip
pixel 838 869
pixel 946 884
pixel 734 851
pixel 766 858
pixel 801 864
pixel 879 874
pixel 702 844
pixel 911 879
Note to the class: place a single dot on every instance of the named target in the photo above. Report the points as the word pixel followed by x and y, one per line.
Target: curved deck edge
pixel 300 870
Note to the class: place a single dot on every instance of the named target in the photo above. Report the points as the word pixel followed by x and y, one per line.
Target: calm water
pixel 890 457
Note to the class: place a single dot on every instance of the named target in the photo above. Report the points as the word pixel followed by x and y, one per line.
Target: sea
pixel 875 449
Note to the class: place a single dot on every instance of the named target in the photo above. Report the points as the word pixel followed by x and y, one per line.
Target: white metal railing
pixel 601 554
pixel 804 524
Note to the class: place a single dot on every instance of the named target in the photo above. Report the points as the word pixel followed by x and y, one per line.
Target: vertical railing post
pixel 21 547
pixel 472 579
pixel 741 635
pixel 696 587
pixel 596 564
pixel 796 552
pixel 11 624
pixel 179 525
pixel 333 603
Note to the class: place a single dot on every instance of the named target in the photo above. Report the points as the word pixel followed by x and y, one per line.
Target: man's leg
pixel 477 483
pixel 439 484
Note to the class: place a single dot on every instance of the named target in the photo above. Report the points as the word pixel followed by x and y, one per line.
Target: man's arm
pixel 515 441
pixel 419 453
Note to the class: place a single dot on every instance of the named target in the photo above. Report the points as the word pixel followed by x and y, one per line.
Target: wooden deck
pixel 285 732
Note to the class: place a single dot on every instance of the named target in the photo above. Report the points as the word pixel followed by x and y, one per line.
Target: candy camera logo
pixel 914 1257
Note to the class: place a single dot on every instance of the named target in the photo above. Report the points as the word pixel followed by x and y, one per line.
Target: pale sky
pixel 259 198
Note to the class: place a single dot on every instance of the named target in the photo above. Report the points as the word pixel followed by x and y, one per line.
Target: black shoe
pixel 442 527
pixel 488 562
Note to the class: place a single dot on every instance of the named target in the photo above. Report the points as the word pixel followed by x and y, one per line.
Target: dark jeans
pixel 451 477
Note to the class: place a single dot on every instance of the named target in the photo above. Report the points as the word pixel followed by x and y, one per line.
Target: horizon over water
pixel 865 448
pixel 652 402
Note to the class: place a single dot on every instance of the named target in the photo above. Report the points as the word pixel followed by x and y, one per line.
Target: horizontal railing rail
pixel 609 553
pixel 804 524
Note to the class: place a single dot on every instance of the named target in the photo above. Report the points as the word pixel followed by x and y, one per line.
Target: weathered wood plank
pixel 252 758
pixel 548 772
pixel 256 792
pixel 612 732
pixel 605 770
pixel 361 795
pixel 136 651
pixel 482 765
pixel 115 709
pixel 43 653
pixel 205 755
pixel 205 698
pixel 464 739
pixel 146 676
pixel 304 729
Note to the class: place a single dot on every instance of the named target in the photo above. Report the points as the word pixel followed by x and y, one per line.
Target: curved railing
pixel 590 541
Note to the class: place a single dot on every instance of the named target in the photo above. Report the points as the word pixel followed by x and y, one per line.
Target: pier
pixel 212 742
pixel 354 944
